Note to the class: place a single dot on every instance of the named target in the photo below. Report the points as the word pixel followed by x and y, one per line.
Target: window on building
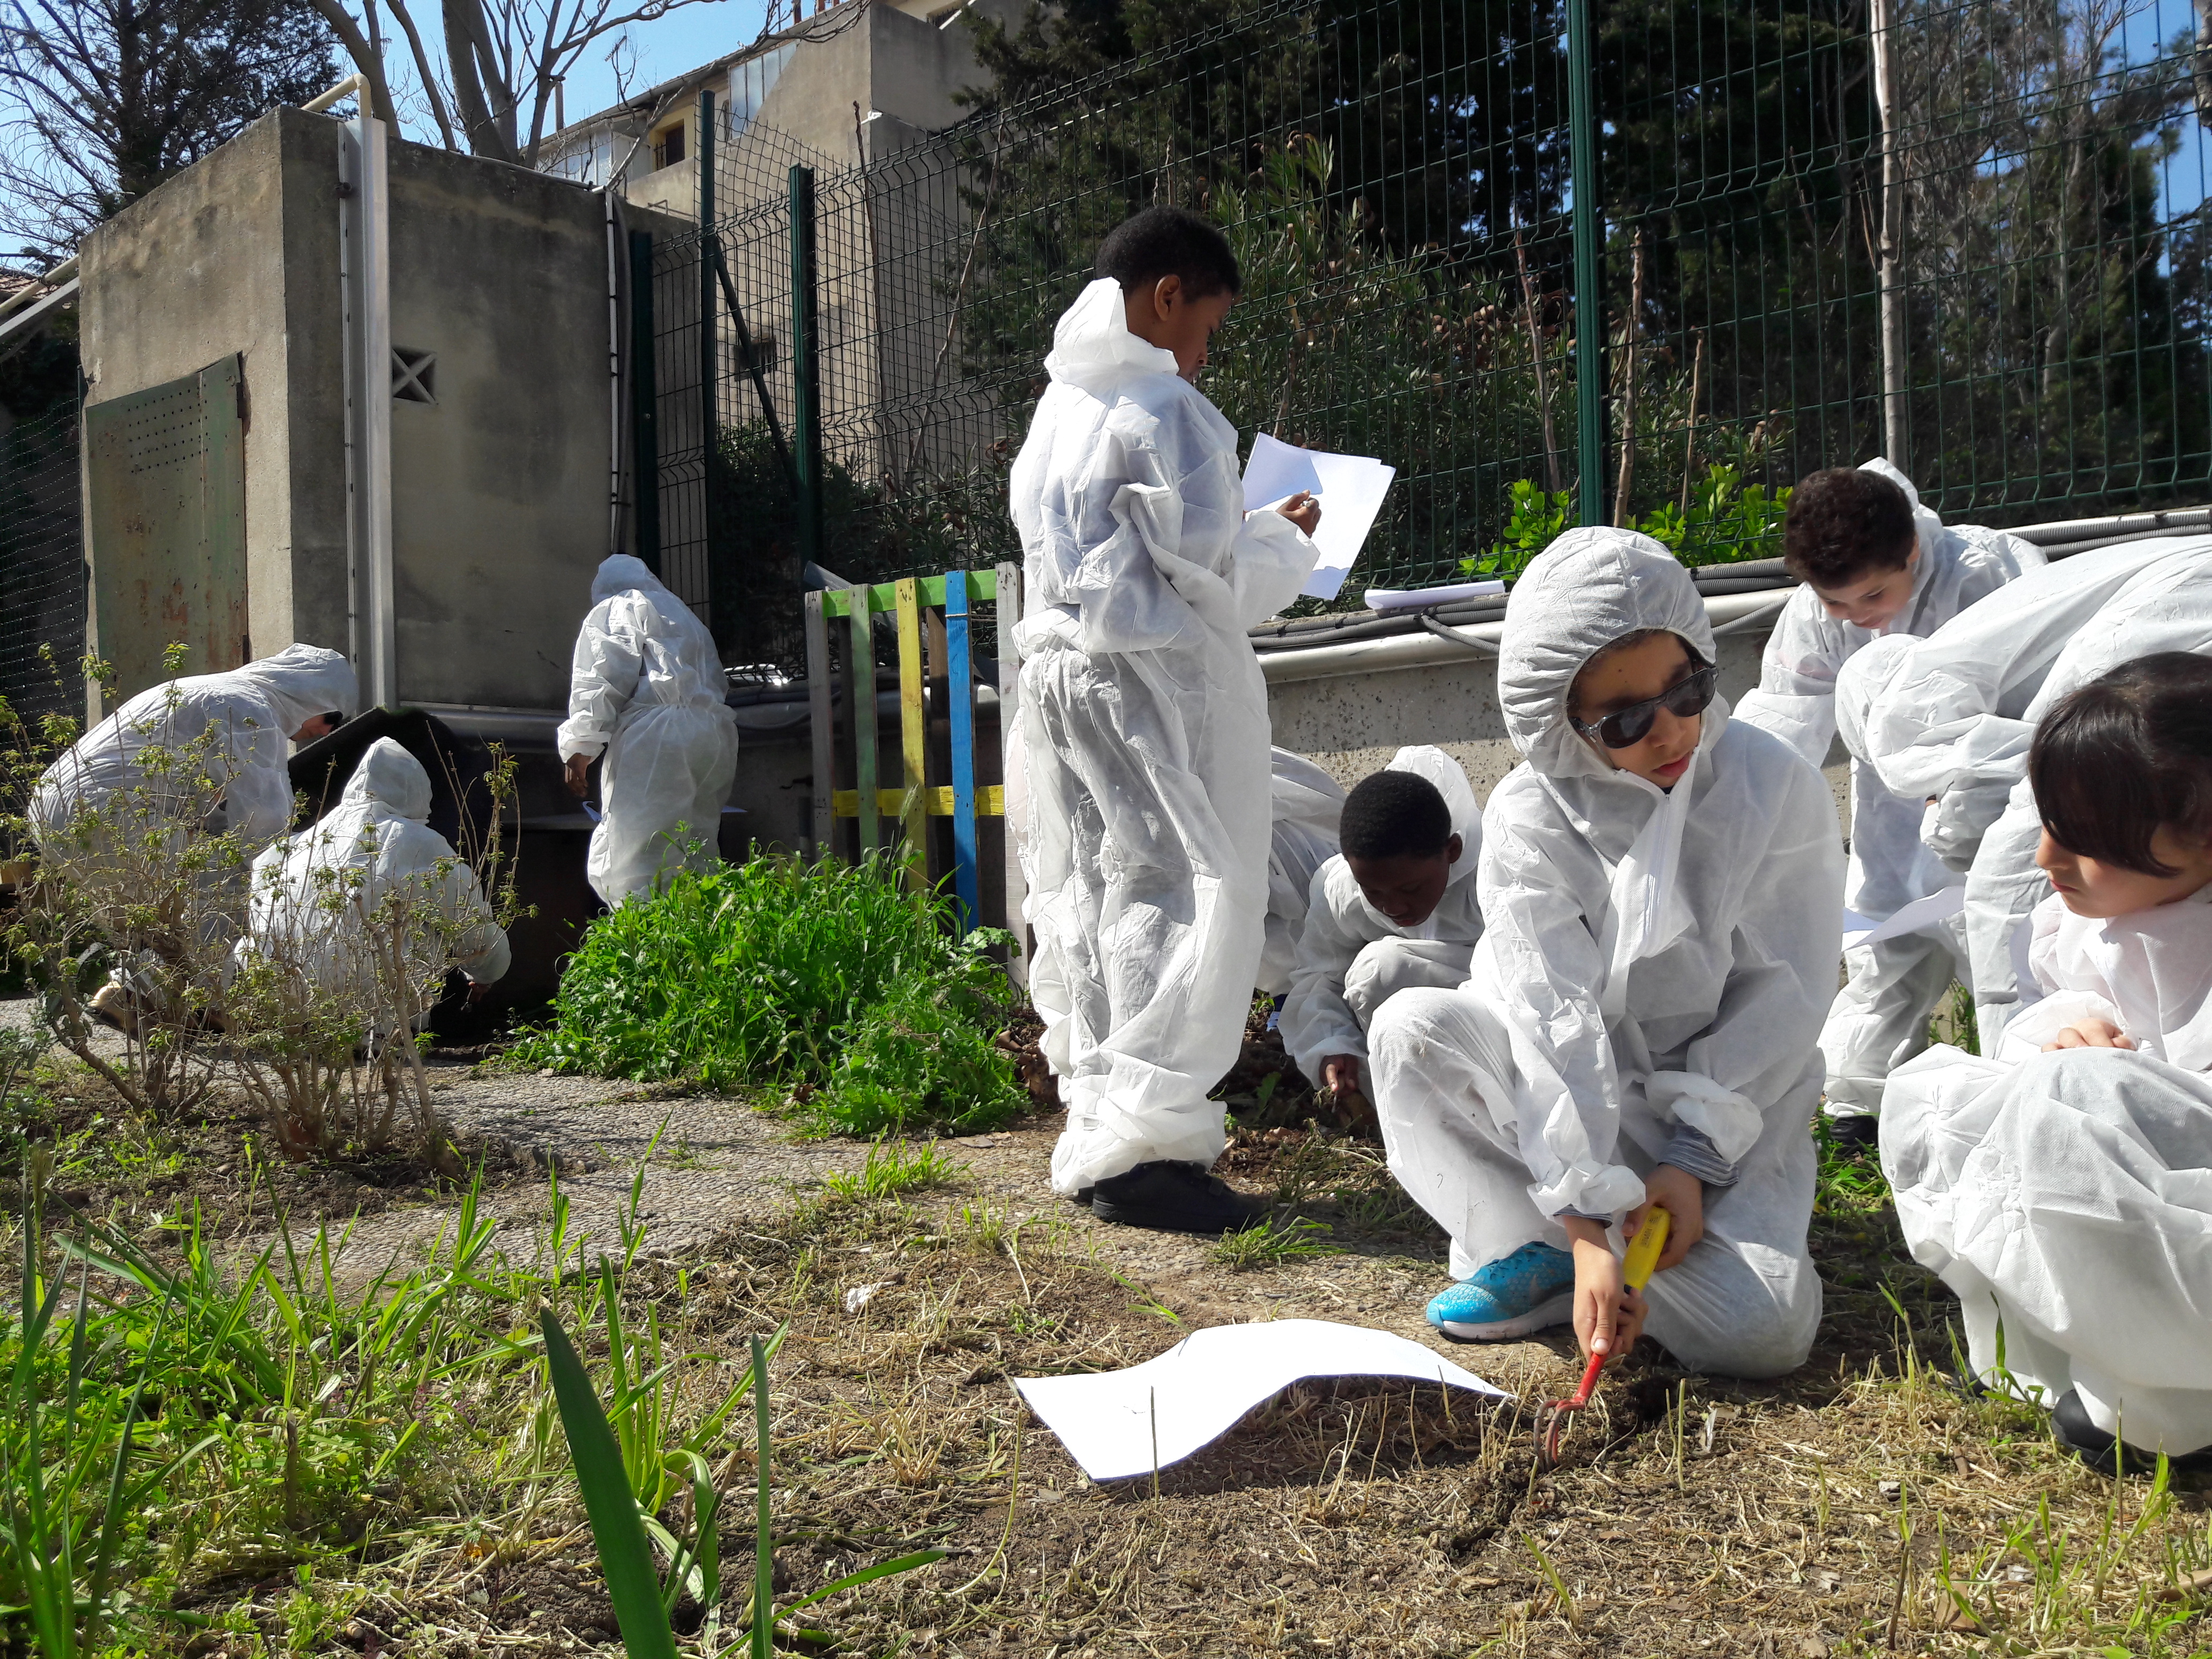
pixel 668 147
pixel 762 355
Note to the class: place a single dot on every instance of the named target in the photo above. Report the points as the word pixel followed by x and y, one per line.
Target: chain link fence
pixel 42 577
pixel 1970 235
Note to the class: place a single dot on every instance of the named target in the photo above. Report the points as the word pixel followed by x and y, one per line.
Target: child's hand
pixel 1608 1315
pixel 1303 510
pixel 1682 1195
pixel 1340 1075
pixel 2091 1033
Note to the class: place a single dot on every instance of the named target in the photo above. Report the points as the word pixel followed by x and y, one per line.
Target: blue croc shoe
pixel 1531 1290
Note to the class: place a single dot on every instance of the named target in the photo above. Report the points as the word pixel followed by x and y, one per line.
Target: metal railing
pixel 1649 263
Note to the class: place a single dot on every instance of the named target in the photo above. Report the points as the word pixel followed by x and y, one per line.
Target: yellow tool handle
pixel 1644 1250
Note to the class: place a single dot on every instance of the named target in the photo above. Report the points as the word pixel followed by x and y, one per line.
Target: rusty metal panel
pixel 165 497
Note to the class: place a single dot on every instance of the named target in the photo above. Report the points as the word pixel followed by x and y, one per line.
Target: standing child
pixel 1872 563
pixel 2063 1189
pixel 1144 735
pixel 1394 910
pixel 1662 893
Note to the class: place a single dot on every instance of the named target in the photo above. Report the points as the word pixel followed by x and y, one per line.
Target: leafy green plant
pixel 1271 1242
pixel 643 1600
pixel 832 977
pixel 1727 521
pixel 891 1169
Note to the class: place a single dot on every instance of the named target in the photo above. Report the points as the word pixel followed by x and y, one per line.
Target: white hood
pixel 390 779
pixel 303 681
pixel 619 573
pixel 1450 778
pixel 1093 348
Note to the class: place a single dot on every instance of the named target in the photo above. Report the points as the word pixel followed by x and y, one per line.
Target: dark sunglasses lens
pixel 1629 727
pixel 1693 696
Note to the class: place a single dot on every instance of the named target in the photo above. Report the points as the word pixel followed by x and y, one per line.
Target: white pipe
pixel 365 244
pixel 1404 651
pixel 336 94
pixel 39 286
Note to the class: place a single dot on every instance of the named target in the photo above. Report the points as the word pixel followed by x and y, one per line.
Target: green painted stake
pixel 1589 299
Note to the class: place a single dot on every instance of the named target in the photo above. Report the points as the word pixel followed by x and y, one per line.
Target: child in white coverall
pixel 1394 910
pixel 1873 564
pixel 1143 812
pixel 1661 891
pixel 2063 1188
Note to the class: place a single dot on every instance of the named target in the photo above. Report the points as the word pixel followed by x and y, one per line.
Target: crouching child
pixel 2062 1189
pixel 1661 891
pixel 1394 910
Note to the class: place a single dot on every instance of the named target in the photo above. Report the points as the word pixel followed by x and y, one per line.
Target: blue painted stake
pixel 959 686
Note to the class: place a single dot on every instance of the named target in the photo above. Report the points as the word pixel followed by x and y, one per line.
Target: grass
pixel 893 1170
pixel 1271 1242
pixel 832 982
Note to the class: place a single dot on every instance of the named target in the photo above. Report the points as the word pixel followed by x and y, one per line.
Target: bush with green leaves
pixel 831 980
pixel 1726 522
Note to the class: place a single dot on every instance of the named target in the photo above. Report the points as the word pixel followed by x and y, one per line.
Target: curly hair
pixel 1842 524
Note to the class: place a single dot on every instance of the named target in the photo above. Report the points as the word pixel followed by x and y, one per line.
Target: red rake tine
pixel 1553 1423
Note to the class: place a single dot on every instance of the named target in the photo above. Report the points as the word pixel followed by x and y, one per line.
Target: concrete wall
pixel 500 489
pixel 239 254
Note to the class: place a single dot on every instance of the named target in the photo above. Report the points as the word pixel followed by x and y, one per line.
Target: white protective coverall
pixel 645 688
pixel 252 711
pixel 1308 804
pixel 308 909
pixel 1880 1019
pixel 1352 959
pixel 1952 717
pixel 1649 984
pixel 1144 738
pixel 2068 1196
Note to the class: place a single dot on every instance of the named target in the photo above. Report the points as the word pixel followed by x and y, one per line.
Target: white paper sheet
pixel 1351 488
pixel 1407 598
pixel 1124 1422
pixel 1919 916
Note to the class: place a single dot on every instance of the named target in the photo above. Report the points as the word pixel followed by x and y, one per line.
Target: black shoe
pixel 1085 1194
pixel 1174 1198
pixel 1855 1134
pixel 2071 1427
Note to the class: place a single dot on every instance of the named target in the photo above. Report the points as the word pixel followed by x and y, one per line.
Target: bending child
pixel 2063 1189
pixel 1874 562
pixel 1394 910
pixel 1661 892
pixel 1144 733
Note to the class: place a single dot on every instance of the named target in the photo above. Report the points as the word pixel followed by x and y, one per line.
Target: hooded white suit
pixel 252 713
pixel 645 688
pixel 1308 804
pixel 1352 959
pixel 1880 1019
pixel 1952 717
pixel 1651 976
pixel 1144 738
pixel 314 893
pixel 2067 1198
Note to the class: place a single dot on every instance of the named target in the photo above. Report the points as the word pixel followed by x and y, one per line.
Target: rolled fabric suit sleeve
pixel 1317 1021
pixel 603 676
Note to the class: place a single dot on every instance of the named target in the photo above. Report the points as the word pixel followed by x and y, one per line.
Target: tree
pixel 103 100
pixel 502 59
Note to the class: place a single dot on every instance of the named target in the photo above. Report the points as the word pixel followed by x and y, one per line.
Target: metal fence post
pixel 644 403
pixel 806 400
pixel 1589 299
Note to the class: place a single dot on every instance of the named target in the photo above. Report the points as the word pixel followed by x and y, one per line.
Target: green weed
pixel 831 978
pixel 1270 1243
pixel 893 1169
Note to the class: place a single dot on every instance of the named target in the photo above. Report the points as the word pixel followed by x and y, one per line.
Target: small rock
pixel 1891 1488
pixel 547 1072
pixel 1810 1647
pixel 859 1296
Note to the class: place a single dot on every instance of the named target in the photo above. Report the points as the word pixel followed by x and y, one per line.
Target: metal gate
pixel 42 578
pixel 165 481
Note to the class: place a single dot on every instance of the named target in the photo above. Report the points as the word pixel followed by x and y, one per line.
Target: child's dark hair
pixel 1844 523
pixel 1390 815
pixel 1169 242
pixel 2129 751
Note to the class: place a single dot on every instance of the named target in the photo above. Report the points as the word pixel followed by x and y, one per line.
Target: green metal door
pixel 165 522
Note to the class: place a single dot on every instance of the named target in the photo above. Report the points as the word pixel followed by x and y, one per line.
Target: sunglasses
pixel 1625 728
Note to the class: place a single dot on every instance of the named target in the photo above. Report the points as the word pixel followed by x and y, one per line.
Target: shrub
pixel 827 975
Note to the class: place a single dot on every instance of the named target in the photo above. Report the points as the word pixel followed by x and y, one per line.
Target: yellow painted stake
pixel 913 729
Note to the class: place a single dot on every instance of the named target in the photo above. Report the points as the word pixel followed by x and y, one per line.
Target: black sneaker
pixel 1855 1134
pixel 1174 1198
pixel 2071 1427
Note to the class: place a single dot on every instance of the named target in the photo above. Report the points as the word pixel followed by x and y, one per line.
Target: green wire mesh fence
pixel 1969 235
pixel 42 576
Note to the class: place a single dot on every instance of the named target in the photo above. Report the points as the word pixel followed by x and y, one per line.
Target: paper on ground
pixel 1406 598
pixel 1194 1392
pixel 1351 488
pixel 1917 917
